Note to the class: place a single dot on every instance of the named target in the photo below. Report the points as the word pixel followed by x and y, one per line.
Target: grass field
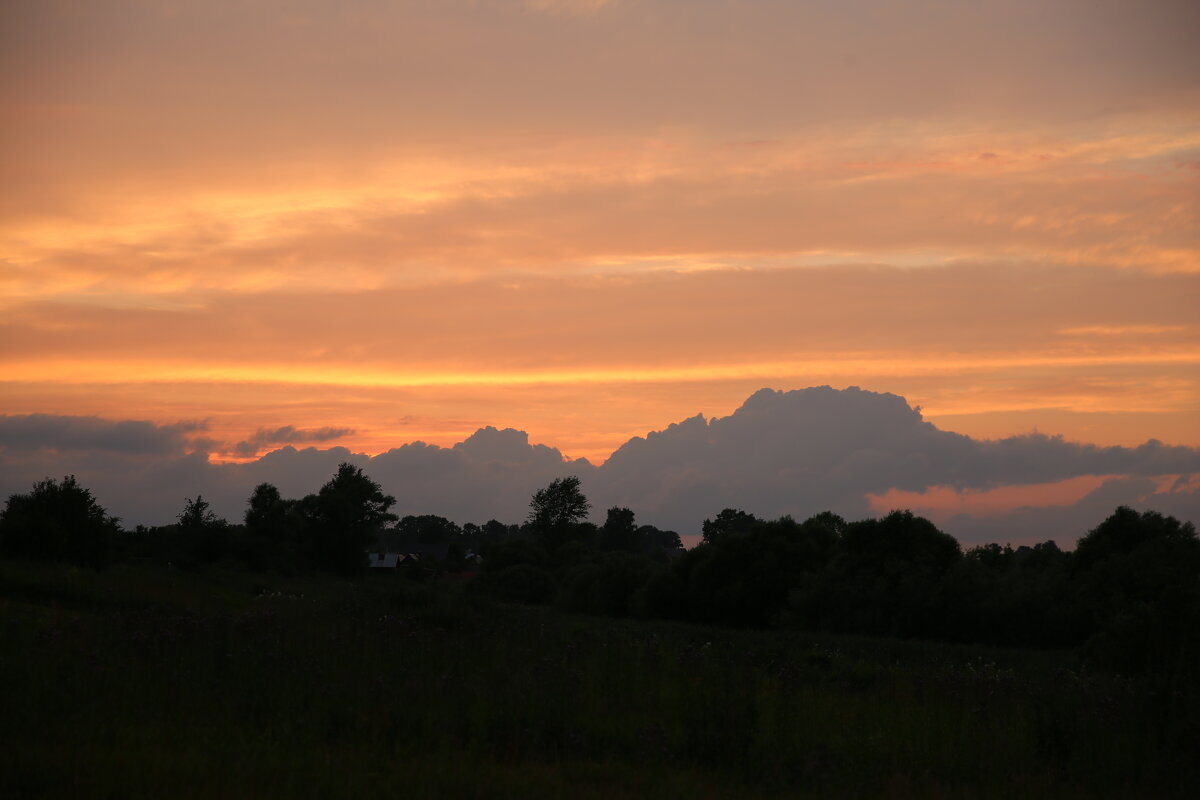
pixel 149 682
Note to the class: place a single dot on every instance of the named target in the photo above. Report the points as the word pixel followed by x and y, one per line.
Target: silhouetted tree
pixel 1126 532
pixel 654 541
pixel 832 525
pixel 271 525
pixel 479 538
pixel 556 510
pixel 343 518
pixel 885 578
pixel 730 520
pixel 746 573
pixel 267 513
pixel 205 535
pixel 1016 597
pixel 619 531
pixel 413 531
pixel 198 514
pixel 57 521
pixel 494 529
pixel 1139 576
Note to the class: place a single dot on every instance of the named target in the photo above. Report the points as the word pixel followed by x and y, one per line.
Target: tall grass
pixel 142 682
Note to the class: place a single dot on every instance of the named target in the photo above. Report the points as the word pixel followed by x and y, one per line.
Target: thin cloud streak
pixel 96 372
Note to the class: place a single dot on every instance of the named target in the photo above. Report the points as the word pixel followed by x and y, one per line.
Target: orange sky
pixel 588 219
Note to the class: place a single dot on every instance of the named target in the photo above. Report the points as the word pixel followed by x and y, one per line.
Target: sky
pixel 263 224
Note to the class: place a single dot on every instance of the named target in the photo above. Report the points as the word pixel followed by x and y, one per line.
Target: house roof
pixel 383 560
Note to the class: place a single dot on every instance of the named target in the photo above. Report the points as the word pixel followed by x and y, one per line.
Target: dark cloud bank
pixel 796 453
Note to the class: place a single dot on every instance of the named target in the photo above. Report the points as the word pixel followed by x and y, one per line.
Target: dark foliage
pixel 514 551
pixel 607 585
pixel 270 527
pixel 556 512
pixel 730 520
pixel 1020 597
pixel 57 521
pixel 748 568
pixel 413 531
pixel 202 533
pixel 1128 597
pixel 142 683
pixel 522 583
pixel 268 514
pixel 619 531
pixel 342 519
pixel 1139 576
pixel 656 542
pixel 886 577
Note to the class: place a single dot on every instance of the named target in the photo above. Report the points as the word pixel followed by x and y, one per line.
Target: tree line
pixel 1128 596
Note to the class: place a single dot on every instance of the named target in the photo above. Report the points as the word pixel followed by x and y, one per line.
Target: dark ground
pixel 151 682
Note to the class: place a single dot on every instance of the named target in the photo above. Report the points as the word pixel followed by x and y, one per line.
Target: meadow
pixel 141 681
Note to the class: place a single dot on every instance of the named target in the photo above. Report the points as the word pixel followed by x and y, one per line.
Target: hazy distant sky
pixel 365 223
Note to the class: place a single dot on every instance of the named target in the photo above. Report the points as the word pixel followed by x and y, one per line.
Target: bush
pixel 607 586
pixel 57 522
pixel 522 583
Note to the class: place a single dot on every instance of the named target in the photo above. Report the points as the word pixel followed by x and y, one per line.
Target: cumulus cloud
pixel 491 474
pixel 795 452
pixel 288 434
pixel 808 450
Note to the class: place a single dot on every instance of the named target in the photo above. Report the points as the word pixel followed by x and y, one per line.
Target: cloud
pixel 1066 522
pixel 486 192
pixel 699 204
pixel 796 452
pixel 628 352
pixel 52 432
pixel 179 172
pixel 990 310
pixel 288 434
pixel 803 451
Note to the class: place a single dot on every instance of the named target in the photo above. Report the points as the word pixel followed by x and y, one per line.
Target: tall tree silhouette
pixel 555 510
pixel 267 513
pixel 271 525
pixel 343 518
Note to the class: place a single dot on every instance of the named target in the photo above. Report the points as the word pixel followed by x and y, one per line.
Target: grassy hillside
pixel 149 682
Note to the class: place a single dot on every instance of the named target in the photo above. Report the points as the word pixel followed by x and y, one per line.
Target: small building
pixel 384 561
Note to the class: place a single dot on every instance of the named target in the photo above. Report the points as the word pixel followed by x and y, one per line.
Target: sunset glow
pixel 587 220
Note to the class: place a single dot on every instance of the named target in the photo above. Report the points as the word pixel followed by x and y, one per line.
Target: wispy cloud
pixel 288 434
pixel 1122 330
